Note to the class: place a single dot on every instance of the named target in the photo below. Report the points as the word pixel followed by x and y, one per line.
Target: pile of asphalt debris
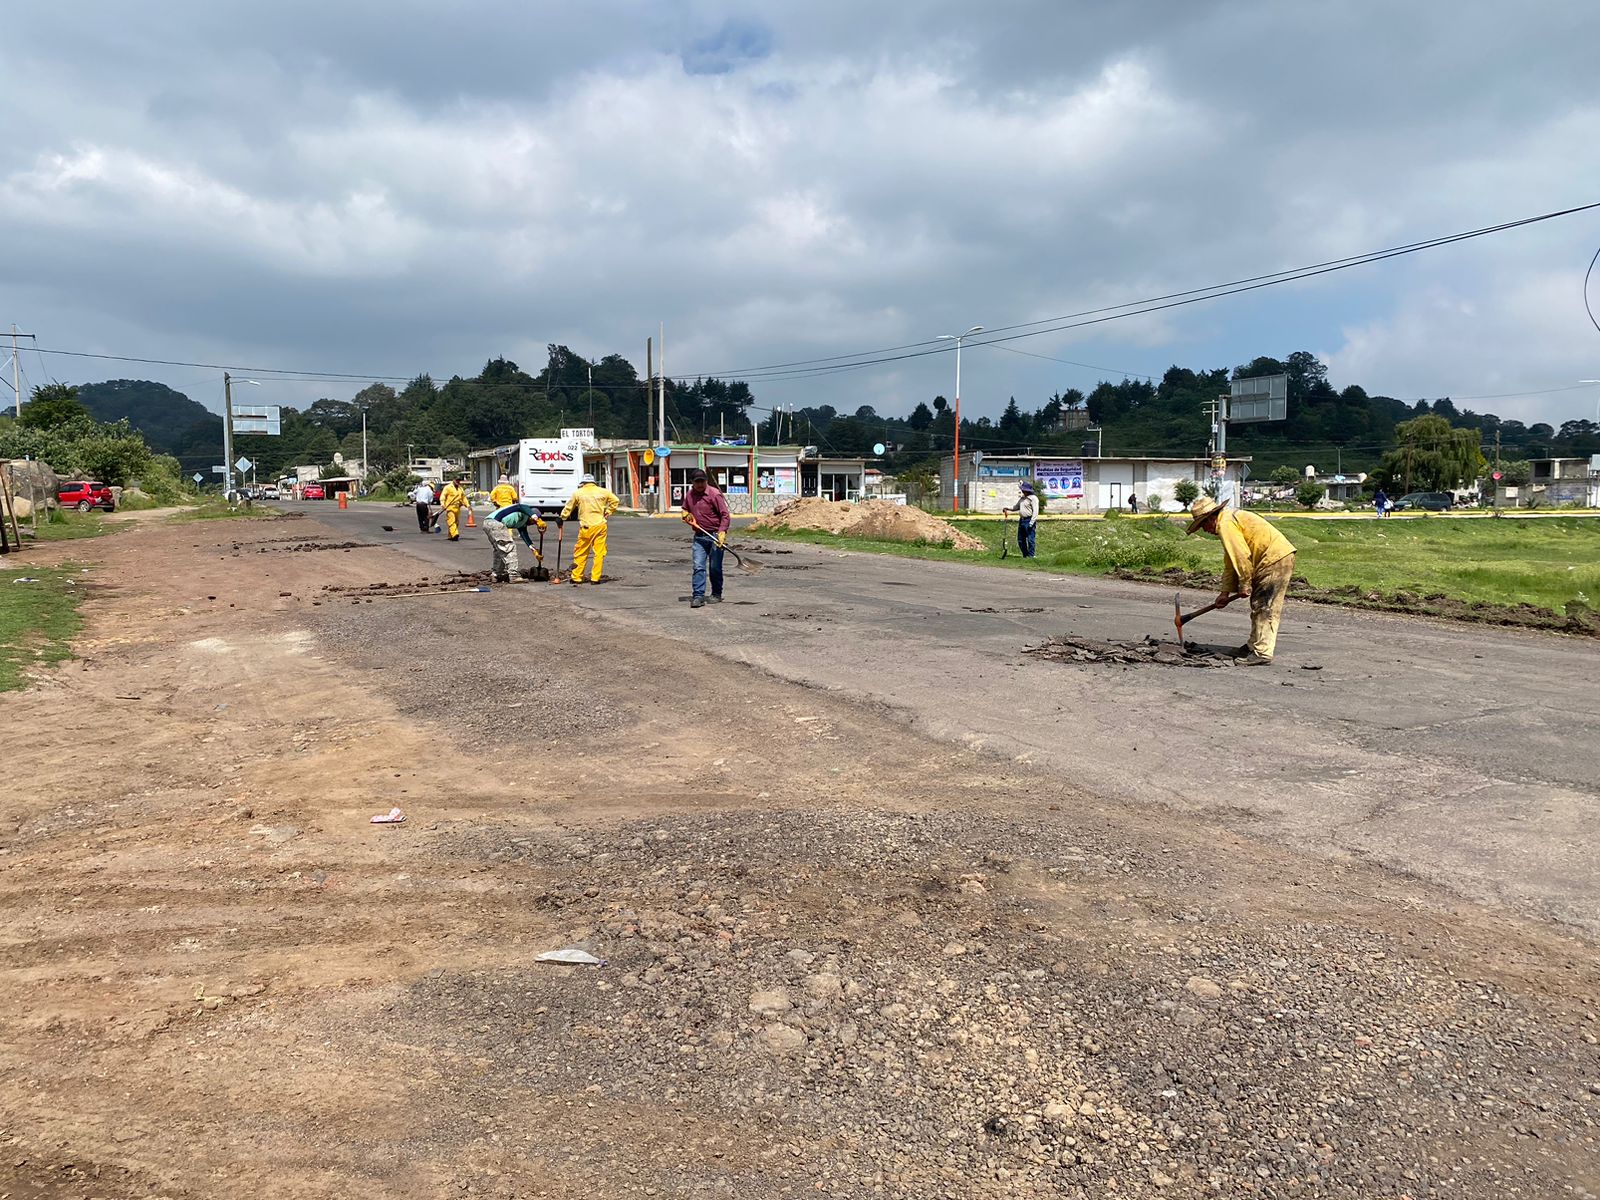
pixel 1149 651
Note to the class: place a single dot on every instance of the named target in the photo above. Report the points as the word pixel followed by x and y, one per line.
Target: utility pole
pixel 666 474
pixel 591 395
pixel 227 436
pixel 1496 480
pixel 16 369
pixel 366 467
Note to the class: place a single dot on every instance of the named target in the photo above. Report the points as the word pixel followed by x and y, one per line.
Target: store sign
pixel 1061 480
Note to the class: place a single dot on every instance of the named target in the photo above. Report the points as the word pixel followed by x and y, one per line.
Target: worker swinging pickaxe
pixel 1180 618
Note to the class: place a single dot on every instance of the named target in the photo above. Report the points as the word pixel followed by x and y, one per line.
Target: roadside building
pixel 1084 484
pixel 753 479
pixel 1556 481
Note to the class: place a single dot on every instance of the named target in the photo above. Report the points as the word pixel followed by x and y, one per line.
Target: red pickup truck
pixel 83 495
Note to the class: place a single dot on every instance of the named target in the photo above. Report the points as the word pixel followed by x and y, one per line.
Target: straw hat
pixel 1203 509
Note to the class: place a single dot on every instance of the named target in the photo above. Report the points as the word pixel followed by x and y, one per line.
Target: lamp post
pixel 958 338
pixel 365 469
pixel 227 432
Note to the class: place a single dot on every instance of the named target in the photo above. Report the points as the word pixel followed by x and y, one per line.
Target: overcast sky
pixel 389 187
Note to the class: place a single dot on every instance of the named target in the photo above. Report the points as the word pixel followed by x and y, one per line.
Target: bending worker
pixel 707 513
pixel 593 505
pixel 497 527
pixel 452 499
pixel 1258 562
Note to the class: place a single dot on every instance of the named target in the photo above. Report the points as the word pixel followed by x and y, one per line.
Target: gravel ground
pixel 882 979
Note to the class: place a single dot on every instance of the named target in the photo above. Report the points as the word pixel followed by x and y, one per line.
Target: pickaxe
pixel 1180 618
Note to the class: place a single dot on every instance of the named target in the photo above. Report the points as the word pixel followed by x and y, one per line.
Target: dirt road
pixel 1463 754
pixel 843 956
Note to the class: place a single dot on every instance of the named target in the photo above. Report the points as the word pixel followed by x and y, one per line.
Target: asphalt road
pixel 1463 754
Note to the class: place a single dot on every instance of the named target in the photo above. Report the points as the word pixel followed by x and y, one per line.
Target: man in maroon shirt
pixel 704 506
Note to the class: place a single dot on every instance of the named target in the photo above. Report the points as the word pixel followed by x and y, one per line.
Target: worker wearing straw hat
pixel 1257 562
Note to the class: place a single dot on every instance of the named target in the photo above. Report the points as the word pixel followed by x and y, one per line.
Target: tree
pixel 1013 425
pixel 1185 492
pixel 1310 493
pixel 921 417
pixel 1517 472
pixel 1432 456
pixel 1284 476
pixel 52 404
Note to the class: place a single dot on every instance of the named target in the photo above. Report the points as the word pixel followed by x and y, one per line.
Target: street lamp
pixel 227 431
pixel 958 338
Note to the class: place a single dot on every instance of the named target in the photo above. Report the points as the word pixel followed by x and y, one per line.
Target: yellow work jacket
pixel 1248 544
pixel 593 504
pixel 503 495
pixel 453 497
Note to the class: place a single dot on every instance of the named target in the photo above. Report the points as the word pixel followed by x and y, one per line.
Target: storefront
pixel 754 479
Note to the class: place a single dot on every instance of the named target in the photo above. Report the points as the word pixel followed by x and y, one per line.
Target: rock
pixel 824 986
pixel 782 1039
pixel 274 835
pixel 801 958
pixel 775 1001
pixel 1206 989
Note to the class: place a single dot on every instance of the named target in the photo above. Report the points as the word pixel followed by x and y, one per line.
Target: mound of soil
pixel 869 518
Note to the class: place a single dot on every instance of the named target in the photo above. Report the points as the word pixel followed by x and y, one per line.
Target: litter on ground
pixel 571 956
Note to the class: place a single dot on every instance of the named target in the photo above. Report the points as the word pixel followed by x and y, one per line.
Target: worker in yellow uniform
pixel 1258 562
pixel 593 505
pixel 503 493
pixel 452 499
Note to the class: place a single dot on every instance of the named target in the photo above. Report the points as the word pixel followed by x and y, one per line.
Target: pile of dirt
pixel 869 518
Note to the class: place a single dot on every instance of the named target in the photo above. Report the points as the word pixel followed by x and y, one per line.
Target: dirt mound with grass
pixel 869 518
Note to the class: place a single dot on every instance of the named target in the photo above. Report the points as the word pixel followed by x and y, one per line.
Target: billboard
pixel 1061 480
pixel 257 418
pixel 1264 398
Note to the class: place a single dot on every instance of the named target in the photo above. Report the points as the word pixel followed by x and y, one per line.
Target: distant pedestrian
pixel 1257 562
pixel 1027 511
pixel 498 527
pixel 593 504
pixel 1133 504
pixel 422 497
pixel 704 506
pixel 1381 503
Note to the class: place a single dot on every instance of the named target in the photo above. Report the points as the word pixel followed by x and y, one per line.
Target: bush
pixel 1186 492
pixel 1153 502
pixel 1309 494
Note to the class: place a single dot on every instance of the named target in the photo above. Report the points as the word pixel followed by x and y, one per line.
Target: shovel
pixel 561 532
pixel 1005 532
pixel 747 568
pixel 1180 618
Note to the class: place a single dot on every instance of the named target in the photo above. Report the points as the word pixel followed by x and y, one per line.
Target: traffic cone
pixel 471 523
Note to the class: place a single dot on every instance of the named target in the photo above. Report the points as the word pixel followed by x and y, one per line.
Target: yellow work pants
pixel 452 522
pixel 592 538
pixel 1268 590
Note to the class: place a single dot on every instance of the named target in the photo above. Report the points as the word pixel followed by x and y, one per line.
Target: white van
pixel 546 471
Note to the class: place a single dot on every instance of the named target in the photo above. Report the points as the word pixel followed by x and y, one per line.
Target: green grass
pixel 1548 562
pixel 216 510
pixel 65 525
pixel 37 620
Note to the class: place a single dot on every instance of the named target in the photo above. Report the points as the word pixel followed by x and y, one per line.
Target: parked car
pixel 268 491
pixel 84 495
pixel 1425 502
pixel 314 491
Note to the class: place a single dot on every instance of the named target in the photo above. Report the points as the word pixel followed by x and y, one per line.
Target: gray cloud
pixel 395 187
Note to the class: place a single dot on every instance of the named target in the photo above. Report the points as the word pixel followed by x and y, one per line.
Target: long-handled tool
pixel 1180 618
pixel 561 532
pixel 1005 532
pixel 539 574
pixel 747 568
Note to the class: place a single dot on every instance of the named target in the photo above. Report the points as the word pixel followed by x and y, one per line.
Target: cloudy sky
pixel 387 187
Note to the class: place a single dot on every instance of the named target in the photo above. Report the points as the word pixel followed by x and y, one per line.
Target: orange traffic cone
pixel 471 523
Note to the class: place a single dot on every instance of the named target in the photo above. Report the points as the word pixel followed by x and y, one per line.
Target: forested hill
pixel 1327 427
pixel 170 421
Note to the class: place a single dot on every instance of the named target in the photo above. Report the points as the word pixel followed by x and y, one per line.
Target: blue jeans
pixel 707 556
pixel 1027 534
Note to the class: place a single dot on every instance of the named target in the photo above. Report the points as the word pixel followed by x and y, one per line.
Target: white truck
pixel 546 471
